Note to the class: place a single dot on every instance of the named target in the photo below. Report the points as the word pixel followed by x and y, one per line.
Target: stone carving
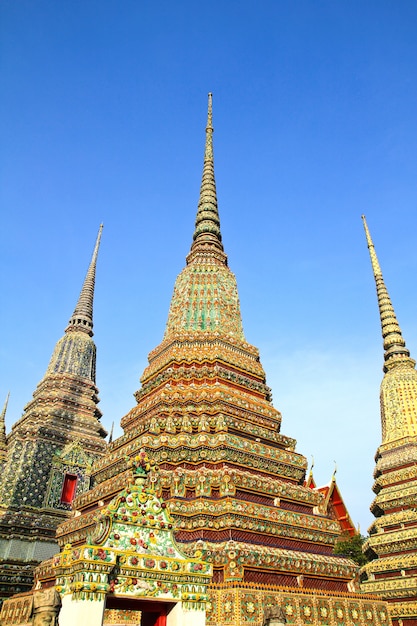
pixel 274 616
pixel 46 607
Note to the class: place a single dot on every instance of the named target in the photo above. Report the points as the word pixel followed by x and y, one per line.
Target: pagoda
pixel 3 437
pixel 393 534
pixel 48 455
pixel 233 482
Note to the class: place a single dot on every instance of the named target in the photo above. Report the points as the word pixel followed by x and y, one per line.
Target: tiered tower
pixel 393 534
pixel 51 448
pixel 233 482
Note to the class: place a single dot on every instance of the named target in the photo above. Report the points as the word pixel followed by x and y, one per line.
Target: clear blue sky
pixel 102 116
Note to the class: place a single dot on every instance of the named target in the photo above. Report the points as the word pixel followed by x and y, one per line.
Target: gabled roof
pixel 333 502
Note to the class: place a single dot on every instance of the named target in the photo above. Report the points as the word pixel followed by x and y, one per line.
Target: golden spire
pixel 207 237
pixel 82 318
pixel 394 344
pixel 205 297
pixel 3 440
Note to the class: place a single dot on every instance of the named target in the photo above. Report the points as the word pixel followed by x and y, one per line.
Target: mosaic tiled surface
pixel 393 534
pixel 131 551
pixel 59 433
pixel 244 605
pixel 233 482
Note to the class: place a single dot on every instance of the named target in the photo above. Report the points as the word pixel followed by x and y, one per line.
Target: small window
pixel 68 488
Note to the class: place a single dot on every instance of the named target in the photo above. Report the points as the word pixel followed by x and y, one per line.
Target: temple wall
pixel 242 605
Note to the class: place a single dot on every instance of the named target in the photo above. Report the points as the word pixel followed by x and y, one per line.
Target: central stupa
pixel 234 484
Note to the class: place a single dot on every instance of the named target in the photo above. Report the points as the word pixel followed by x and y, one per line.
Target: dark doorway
pixel 153 613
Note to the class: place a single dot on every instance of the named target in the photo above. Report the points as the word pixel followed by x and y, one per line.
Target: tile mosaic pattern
pixel 393 534
pixel 233 482
pixel 58 433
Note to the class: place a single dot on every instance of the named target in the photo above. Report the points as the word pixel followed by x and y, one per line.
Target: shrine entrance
pixel 131 572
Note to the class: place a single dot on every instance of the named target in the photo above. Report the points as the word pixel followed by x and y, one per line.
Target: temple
pixel 47 457
pixel 333 503
pixel 232 481
pixel 392 543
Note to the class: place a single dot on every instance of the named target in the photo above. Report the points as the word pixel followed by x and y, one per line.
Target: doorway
pixel 127 611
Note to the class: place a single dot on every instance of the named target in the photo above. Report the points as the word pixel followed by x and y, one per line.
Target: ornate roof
pixel 132 543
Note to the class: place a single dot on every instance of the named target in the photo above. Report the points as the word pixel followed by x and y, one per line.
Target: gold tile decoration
pixel 392 543
pixel 233 486
pixel 121 617
pixel 242 604
pixel 233 482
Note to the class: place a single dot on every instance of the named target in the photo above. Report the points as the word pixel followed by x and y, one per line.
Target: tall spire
pixel 205 297
pixel 207 237
pixel 82 318
pixel 391 570
pixel 394 344
pixel 3 413
pixel 75 352
pixel 3 440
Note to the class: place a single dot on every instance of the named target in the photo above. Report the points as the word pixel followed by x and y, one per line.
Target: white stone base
pixel 179 616
pixel 81 612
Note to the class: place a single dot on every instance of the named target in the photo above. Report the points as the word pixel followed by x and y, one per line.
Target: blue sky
pixel 102 119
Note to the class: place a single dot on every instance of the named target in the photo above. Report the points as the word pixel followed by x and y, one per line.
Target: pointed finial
pixel 374 259
pixel 208 152
pixel 82 318
pixel 3 413
pixel 394 344
pixel 310 473
pixel 334 471
pixel 3 439
pixel 207 237
pixel 309 480
pixel 111 433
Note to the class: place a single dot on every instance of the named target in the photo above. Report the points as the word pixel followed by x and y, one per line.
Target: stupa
pixel 233 482
pixel 48 455
pixel 392 543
